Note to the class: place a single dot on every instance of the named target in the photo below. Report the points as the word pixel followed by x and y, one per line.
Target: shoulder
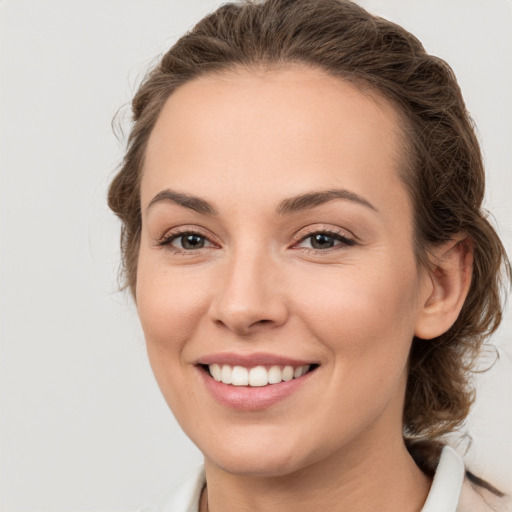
pixel 184 498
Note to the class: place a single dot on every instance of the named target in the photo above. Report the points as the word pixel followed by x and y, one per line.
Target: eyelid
pixel 333 231
pixel 171 234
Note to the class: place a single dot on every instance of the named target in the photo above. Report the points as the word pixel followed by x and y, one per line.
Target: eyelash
pixel 169 238
pixel 336 235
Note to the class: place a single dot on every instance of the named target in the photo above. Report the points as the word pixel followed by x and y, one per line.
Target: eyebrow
pixel 285 207
pixel 312 199
pixel 186 200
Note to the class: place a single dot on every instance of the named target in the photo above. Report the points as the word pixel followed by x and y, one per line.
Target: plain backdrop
pixel 83 424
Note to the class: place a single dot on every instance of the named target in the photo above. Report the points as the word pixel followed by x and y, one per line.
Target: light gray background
pixel 83 425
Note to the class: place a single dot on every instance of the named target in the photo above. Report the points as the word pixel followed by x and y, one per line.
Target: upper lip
pixel 251 360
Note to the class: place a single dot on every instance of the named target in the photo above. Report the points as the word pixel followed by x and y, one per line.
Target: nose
pixel 249 297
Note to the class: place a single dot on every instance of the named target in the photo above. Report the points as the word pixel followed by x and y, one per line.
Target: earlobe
pixel 449 281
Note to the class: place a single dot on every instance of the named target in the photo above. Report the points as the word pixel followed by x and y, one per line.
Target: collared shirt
pixel 450 491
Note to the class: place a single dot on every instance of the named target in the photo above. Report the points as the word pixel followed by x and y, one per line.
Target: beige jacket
pixel 475 499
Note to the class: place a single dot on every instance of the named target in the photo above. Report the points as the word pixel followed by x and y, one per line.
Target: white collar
pixel 445 491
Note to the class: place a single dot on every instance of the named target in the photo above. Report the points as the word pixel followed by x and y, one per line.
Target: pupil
pixel 322 241
pixel 192 242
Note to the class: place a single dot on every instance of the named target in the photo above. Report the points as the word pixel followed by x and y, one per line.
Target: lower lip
pixel 247 398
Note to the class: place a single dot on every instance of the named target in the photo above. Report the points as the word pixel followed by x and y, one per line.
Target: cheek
pixel 366 323
pixel 170 306
pixel 364 316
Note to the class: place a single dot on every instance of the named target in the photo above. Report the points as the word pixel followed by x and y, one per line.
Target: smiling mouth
pixel 257 376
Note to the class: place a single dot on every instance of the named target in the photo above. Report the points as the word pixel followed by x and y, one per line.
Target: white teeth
pixel 226 374
pixel 297 372
pixel 300 371
pixel 258 376
pixel 288 373
pixel 275 376
pixel 216 372
pixel 240 376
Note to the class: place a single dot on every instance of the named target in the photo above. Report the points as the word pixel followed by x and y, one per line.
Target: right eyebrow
pixel 186 200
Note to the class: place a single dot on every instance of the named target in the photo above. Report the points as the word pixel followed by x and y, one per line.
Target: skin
pixel 246 141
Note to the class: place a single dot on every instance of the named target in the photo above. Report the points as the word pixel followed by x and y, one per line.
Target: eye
pixel 324 240
pixel 188 241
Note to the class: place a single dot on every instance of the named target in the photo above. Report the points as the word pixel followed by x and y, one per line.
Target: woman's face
pixel 277 233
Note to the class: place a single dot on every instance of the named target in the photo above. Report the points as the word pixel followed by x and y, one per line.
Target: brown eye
pixel 324 241
pixel 186 241
pixel 189 242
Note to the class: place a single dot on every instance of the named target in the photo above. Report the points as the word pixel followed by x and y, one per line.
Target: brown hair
pixel 443 167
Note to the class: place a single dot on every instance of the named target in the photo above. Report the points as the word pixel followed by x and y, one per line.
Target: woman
pixel 303 237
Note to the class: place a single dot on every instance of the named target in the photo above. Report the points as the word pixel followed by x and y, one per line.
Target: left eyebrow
pixel 312 199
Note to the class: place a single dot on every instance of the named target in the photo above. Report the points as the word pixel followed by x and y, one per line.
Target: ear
pixel 448 280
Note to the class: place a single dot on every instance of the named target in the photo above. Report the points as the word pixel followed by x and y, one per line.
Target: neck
pixel 368 476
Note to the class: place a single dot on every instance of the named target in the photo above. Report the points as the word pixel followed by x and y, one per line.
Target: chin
pixel 256 465
pixel 270 458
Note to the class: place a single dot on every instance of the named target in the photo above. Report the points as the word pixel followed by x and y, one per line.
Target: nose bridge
pixel 247 297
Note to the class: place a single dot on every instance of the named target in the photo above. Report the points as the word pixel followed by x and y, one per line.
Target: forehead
pixel 295 125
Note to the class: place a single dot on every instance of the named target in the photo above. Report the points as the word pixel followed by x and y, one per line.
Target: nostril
pixel 262 322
